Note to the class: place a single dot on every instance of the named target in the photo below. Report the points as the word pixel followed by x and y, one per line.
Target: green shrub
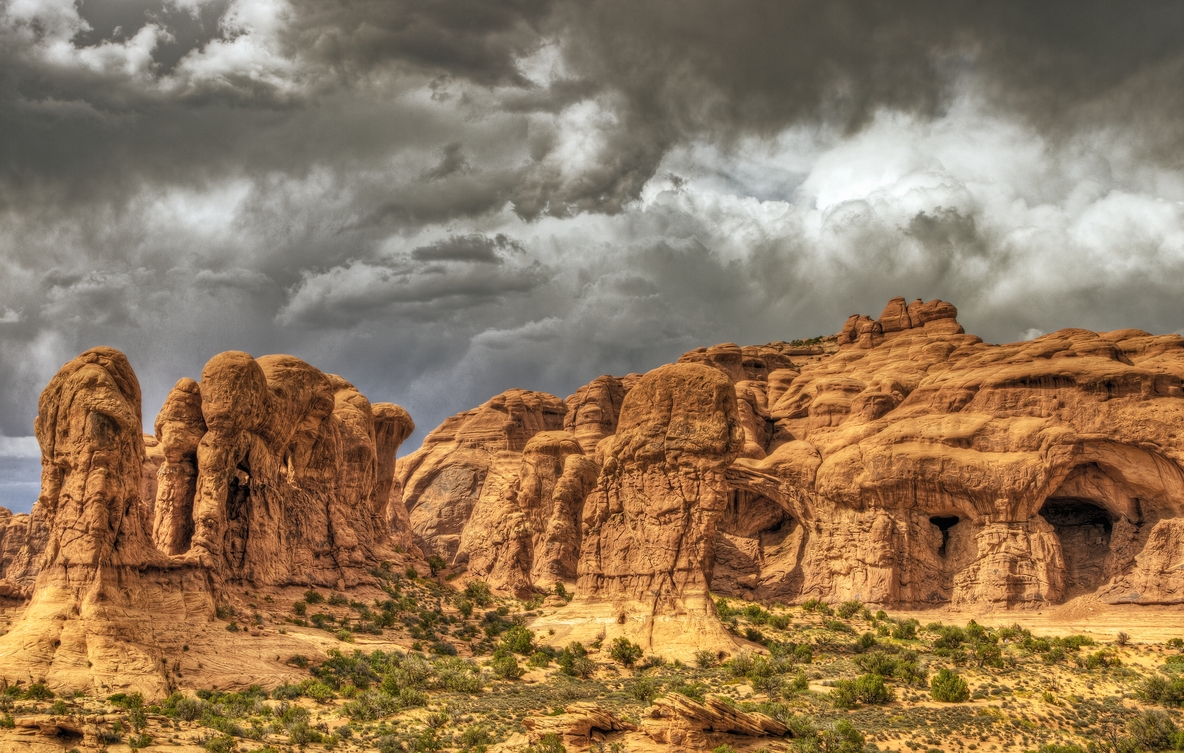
pixel 705 659
pixel 221 744
pixel 38 692
pixel 518 640
pixel 1153 730
pixel 906 630
pixel 550 743
pixel 505 666
pixel 948 687
pixel 849 609
pixel 478 592
pixel 644 690
pixel 625 652
pixel 869 689
pixel 312 597
pixel 369 706
pixel 1161 691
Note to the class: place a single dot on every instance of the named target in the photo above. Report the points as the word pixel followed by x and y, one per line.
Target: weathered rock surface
pixel 106 604
pixel 901 462
pixel 275 473
pixel 578 725
pixel 677 720
pixel 649 526
pixel 466 467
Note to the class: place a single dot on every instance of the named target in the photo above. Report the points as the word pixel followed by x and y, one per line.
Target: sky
pixel 443 200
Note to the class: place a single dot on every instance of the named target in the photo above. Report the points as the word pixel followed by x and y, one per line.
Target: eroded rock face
pixel 467 466
pixel 276 473
pixel 106 604
pixel 900 462
pixel 649 525
pixel 529 536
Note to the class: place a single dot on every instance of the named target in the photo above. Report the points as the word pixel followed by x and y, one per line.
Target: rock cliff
pixel 275 473
pixel 901 462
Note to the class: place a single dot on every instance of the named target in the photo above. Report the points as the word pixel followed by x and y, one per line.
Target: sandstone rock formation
pixel 100 577
pixel 647 548
pixel 677 720
pixel 900 462
pixel 466 466
pixel 275 473
pixel 268 472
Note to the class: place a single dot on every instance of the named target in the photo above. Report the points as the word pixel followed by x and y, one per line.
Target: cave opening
pixel 1084 528
pixel 238 499
pixel 944 523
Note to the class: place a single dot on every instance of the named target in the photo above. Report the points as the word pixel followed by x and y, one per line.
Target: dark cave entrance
pixel 944 523
pixel 1084 529
pixel 238 499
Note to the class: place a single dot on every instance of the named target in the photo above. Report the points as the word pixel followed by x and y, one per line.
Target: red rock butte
pixel 901 463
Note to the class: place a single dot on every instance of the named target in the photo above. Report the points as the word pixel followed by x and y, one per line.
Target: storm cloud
pixel 443 200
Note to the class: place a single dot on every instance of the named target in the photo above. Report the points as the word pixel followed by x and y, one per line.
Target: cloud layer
pixel 443 200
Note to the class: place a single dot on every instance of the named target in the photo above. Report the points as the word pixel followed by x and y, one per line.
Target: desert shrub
pixel 369 706
pixel 849 609
pixel 550 743
pixel 948 687
pixel 1099 660
pixel 1161 691
pixel 221 744
pixel 1153 730
pixel 505 666
pixel 518 640
pixel 779 621
pixel 478 592
pixel 740 665
pixel 1073 642
pixel 37 692
pixel 539 659
pixel 458 675
pixel 904 666
pixel 949 637
pixel 868 688
pixel 625 652
pixel 705 659
pixel 1176 643
pixel 574 662
pixel 803 654
pixel 865 642
pixel 311 596
pixel 644 690
pixel 696 691
pixel 906 630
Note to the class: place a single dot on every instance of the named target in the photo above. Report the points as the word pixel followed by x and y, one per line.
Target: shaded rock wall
pixel 900 462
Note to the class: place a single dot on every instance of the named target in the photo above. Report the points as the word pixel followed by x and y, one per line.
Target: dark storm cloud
pixel 444 200
pixel 474 248
pixel 480 40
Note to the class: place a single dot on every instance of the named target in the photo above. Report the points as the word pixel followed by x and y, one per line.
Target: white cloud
pixel 19 447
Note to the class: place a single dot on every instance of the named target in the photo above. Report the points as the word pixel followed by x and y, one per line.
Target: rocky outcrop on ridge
pixel 268 472
pixel 901 462
pixel 649 524
pixel 678 720
pixel 465 469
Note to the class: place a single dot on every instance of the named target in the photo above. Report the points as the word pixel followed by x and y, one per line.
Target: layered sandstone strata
pixel 900 462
